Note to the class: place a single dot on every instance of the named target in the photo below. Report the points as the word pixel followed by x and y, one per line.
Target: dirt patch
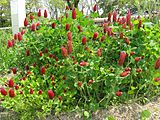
pixel 122 112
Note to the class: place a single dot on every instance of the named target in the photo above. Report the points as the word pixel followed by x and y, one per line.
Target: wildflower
pixel 122 58
pixel 50 94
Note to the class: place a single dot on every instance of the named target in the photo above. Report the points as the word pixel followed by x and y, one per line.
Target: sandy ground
pixel 122 112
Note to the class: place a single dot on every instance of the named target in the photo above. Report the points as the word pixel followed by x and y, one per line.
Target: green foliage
pixel 6 56
pixel 110 118
pixel 145 114
pixel 90 76
pixel 57 3
pixel 140 6
pixel 5 13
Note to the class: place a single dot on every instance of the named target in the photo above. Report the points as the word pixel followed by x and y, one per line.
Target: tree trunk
pixel 76 3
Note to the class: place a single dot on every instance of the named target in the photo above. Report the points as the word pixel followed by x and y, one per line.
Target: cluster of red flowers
pixel 67 50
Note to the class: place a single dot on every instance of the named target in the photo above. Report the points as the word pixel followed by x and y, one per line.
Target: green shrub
pixel 57 70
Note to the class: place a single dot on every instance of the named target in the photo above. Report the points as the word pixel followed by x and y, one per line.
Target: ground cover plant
pixel 6 55
pixel 73 64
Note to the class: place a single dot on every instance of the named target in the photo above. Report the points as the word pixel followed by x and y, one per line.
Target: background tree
pixel 5 14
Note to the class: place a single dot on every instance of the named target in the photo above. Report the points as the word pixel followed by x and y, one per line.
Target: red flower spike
pixel 128 17
pixel 66 15
pixel 56 59
pixel 138 17
pixel 99 52
pixel 95 36
pixel 64 78
pixel 114 16
pixel 50 94
pixel 38 24
pixel 27 53
pixel 127 69
pixel 109 17
pixel 31 91
pixel 50 55
pixel 27 67
pixel 79 28
pixel 13 42
pixel 127 41
pixel 122 58
pixel 105 27
pixel 15 36
pixel 120 22
pixel 124 73
pixel 137 59
pixel 121 35
pixel 102 38
pixel 60 98
pixel 33 27
pixel 67 8
pixel 64 52
pixel 138 70
pixel 65 91
pixel 25 22
pixel 17 87
pixel 95 8
pixel 73 57
pixel 69 35
pixel 24 78
pixel 23 32
pixel 73 13
pixel 74 62
pixel 79 83
pixel 67 27
pixel 11 93
pixel 40 92
pixel 86 48
pixel 83 63
pixel 84 40
pixel 39 13
pixel 43 70
pixel 118 93
pixel 140 24
pixel 53 83
pixel 45 14
pixel 31 17
pixel 130 25
pixel 19 36
pixel 124 26
pixel 3 91
pixel 157 79
pixel 90 81
pixel 40 53
pixel 109 31
pixel 34 64
pixel 46 50
pixel 14 70
pixel 53 25
pixel 123 20
pixel 52 78
pixel 132 53
pixel 10 83
pixel 9 44
pixel 28 73
pixel 69 47
pixel 157 64
pixel 21 92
